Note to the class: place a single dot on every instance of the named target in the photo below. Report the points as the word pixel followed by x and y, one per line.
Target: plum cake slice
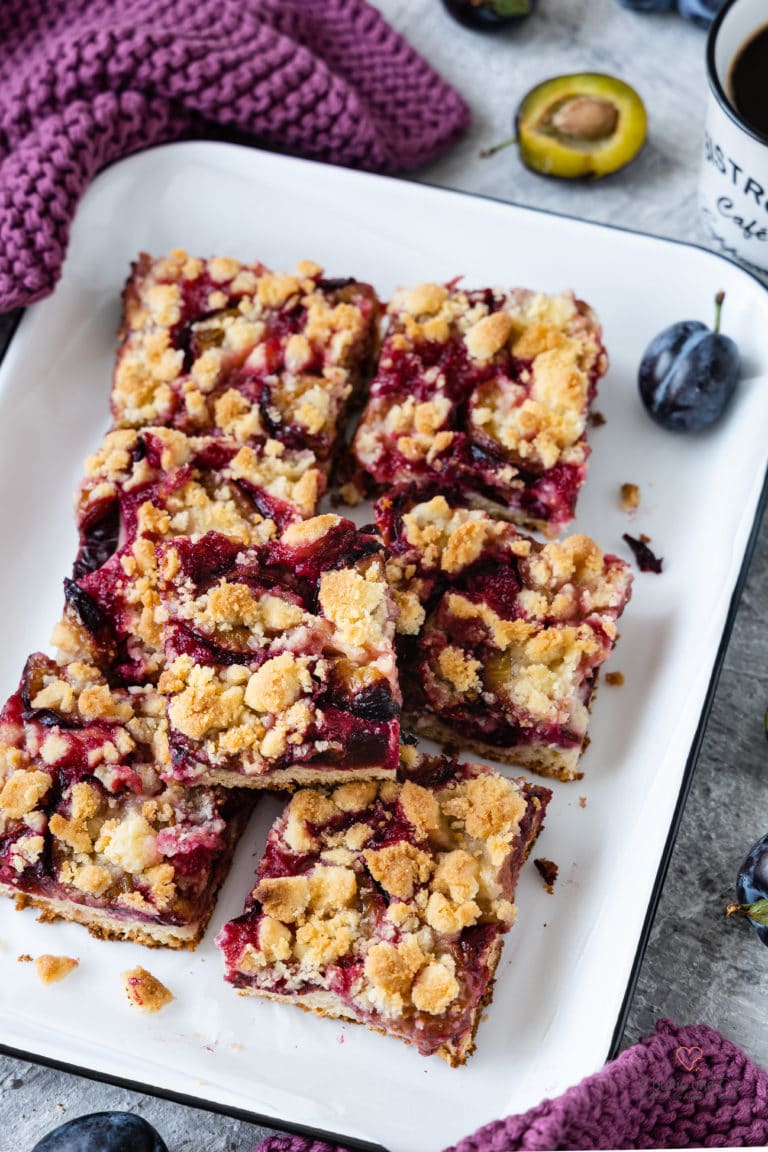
pixel 387 903
pixel 485 395
pixel 280 664
pixel 89 831
pixel 155 484
pixel 224 348
pixel 500 637
pixel 158 481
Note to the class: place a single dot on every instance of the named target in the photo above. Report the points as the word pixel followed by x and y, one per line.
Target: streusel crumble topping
pixel 279 655
pixel 500 637
pixel 88 827
pixel 485 393
pixel 216 346
pixel 389 897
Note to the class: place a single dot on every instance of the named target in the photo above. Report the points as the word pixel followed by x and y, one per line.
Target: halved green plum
pixel 587 124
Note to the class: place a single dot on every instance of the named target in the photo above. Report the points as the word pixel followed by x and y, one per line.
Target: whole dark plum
pixel 702 12
pixel 488 15
pixel 103 1132
pixel 688 374
pixel 648 5
pixel 752 889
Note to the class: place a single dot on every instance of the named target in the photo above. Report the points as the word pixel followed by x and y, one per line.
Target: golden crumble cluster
pixel 53 969
pixel 390 900
pixel 145 991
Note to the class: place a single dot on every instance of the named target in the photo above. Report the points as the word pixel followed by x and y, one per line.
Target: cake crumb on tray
pixel 548 871
pixel 630 497
pixel 52 969
pixel 145 991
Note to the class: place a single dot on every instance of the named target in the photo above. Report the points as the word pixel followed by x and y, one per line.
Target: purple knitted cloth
pixel 86 82
pixel 679 1088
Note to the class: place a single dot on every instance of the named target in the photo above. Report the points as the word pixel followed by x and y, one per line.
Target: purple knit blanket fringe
pixel 87 82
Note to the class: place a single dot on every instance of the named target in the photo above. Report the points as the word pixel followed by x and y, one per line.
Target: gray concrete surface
pixel 697 967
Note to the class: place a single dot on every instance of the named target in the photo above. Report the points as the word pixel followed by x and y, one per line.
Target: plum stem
pixel 486 152
pixel 719 298
pixel 756 912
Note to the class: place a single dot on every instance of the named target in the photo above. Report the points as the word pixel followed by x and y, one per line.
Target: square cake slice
pixel 500 637
pixel 223 348
pixel 144 487
pixel 280 663
pixel 89 831
pixel 485 395
pixel 159 482
pixel 386 904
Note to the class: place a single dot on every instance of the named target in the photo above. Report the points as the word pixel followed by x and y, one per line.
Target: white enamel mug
pixel 734 181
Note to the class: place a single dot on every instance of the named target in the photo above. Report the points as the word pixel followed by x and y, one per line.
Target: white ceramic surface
pixel 566 964
pixel 733 192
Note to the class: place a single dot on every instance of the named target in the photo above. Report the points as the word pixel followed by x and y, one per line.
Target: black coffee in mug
pixel 733 192
pixel 749 82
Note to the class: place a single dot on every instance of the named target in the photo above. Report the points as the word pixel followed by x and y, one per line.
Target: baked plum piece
pixel 280 663
pixel 500 638
pixel 224 348
pixel 89 830
pixel 484 394
pixel 387 903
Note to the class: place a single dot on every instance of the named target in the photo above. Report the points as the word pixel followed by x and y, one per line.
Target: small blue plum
pixel 752 889
pixel 689 373
pixel 701 12
pixel 648 5
pixel 103 1132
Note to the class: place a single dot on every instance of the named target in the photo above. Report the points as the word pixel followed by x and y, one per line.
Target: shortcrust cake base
pixel 326 1004
pixel 353 491
pixel 543 759
pixel 289 779
pixel 514 516
pixel 105 927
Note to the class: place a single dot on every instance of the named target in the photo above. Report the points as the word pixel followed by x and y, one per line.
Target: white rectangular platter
pixel 566 965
